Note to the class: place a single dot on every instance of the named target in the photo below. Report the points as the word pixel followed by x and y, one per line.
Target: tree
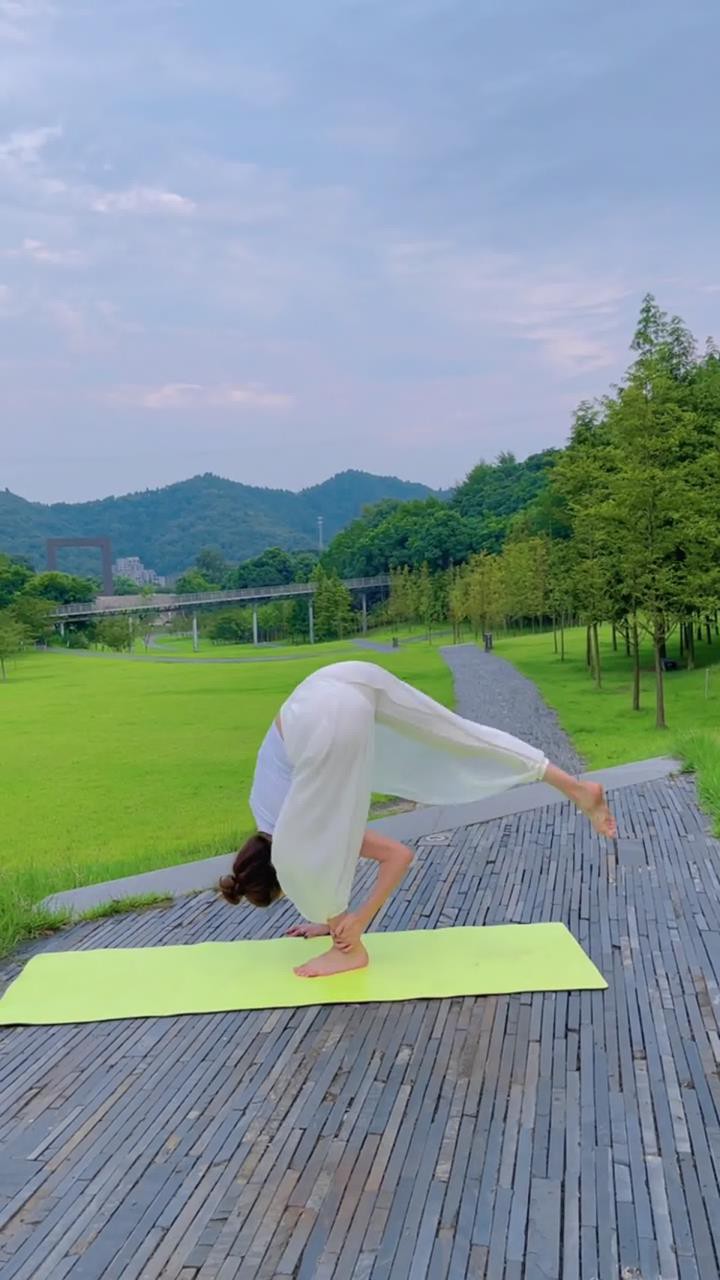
pixel 63 588
pixel 231 626
pixel 192 583
pixel 35 617
pixel 561 594
pixel 212 565
pixel 333 607
pixel 14 576
pixel 517 564
pixel 402 602
pixel 299 623
pixel 115 633
pixel 429 599
pixel 458 601
pixel 273 568
pixel 584 477
pixel 12 638
pixel 662 505
pixel 304 564
pixel 144 620
pixel 125 586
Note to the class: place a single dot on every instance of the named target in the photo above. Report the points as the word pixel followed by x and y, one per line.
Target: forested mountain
pixel 168 527
pixel 477 517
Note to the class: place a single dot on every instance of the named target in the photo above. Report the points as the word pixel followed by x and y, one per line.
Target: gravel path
pixel 377 648
pixel 489 690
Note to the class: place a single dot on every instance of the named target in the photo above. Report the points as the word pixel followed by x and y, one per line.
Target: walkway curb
pixel 192 877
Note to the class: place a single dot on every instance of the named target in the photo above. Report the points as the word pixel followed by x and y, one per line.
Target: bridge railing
pixel 162 602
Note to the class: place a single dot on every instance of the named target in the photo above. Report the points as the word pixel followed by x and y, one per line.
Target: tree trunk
pixel 2 669
pixel 690 645
pixel 588 649
pixel 708 632
pixel 699 631
pixel 562 637
pixel 636 666
pixel 628 649
pixel 614 638
pixel 555 640
pixel 681 631
pixel 660 722
pixel 596 652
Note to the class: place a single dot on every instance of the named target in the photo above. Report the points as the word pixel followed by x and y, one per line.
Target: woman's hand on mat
pixel 309 931
pixel 348 931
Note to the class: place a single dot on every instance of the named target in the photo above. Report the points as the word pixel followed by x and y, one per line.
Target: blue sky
pixel 278 240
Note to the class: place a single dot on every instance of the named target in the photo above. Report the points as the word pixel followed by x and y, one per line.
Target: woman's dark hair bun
pixel 229 888
pixel 253 874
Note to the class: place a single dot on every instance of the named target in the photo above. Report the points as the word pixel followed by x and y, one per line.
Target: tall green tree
pixel 584 476
pixel 662 506
pixel 12 639
pixel 35 616
pixel 14 576
pixel 333 607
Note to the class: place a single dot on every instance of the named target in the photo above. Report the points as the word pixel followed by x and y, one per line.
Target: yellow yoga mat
pixel 94 986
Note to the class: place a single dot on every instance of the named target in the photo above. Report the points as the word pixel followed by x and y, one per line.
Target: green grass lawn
pixel 601 722
pixel 182 647
pixel 111 767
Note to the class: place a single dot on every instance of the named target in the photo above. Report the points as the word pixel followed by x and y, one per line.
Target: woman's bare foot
pixel 591 799
pixel 334 961
pixel 309 931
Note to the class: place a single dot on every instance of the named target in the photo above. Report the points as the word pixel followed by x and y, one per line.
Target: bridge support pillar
pixel 255 625
pixel 311 621
pixel 195 633
pixel 364 612
pixel 62 630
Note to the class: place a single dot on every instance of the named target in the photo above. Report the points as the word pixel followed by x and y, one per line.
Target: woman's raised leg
pixel 588 796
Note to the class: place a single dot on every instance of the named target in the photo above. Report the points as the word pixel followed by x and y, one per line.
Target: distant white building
pixel 133 568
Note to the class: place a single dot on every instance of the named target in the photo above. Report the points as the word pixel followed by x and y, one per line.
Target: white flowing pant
pixel 353 728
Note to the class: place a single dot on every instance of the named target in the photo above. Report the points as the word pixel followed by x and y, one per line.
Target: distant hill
pixel 167 527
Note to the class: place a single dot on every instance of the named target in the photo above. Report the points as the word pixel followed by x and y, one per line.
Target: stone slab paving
pixel 568 1137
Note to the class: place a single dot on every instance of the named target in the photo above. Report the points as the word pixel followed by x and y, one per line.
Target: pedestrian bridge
pixel 105 606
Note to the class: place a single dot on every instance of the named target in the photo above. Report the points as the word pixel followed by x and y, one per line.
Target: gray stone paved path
pixel 568 1137
pixel 491 691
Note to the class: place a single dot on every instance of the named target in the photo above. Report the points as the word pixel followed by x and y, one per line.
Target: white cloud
pixel 571 352
pixel 143 200
pixel 19 17
pixel 38 251
pixel 569 314
pixel 196 395
pixel 25 146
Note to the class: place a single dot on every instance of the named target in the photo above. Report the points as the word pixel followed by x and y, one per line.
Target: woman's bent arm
pixel 393 861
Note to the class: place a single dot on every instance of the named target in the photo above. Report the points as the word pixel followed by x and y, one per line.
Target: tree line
pixel 627 530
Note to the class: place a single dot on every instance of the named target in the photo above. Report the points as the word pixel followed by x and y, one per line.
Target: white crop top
pixel 271 783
